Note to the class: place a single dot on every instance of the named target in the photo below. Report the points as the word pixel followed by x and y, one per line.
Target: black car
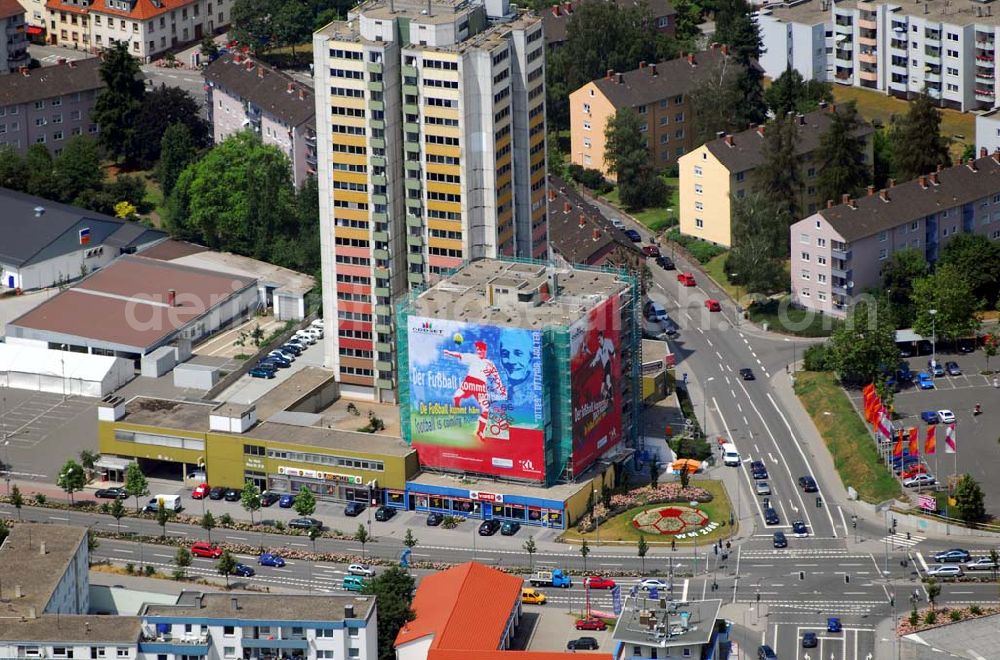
pixel 291 348
pixel 582 644
pixel 747 374
pixel 489 527
pixel 305 523
pixel 384 513
pixel 243 570
pixel 269 497
pixel 354 509
pixel 779 540
pixel 765 652
pixel 216 493
pixel 510 528
pixel 116 493
pixel 274 361
pixel 666 263
pixel 771 516
pixel 633 235
pixel 434 519
pixel 808 484
pixel 759 470
pixel 809 640
pixel 232 495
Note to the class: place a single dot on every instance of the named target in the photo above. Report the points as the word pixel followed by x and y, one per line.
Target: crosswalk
pixel 902 539
pixel 802 553
pixel 845 607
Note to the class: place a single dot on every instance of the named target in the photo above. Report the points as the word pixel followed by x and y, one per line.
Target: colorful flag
pixel 85 236
pixel 950 444
pixel 871 412
pixel 914 446
pixel 884 425
pixel 868 390
pixel 897 450
pixel 930 444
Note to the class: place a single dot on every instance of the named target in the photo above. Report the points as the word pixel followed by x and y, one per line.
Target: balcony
pixel 868 57
pixel 866 24
pixel 932 35
pixel 898 44
pixel 986 45
pixel 842 274
pixel 985 77
pixel 251 643
pixel 984 94
pixel 870 76
pixel 839 253
pixel 844 56
pixel 867 40
pixel 984 61
pixel 932 53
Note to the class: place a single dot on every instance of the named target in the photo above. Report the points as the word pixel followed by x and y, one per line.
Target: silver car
pixel 763 488
pixel 947 570
pixel 981 564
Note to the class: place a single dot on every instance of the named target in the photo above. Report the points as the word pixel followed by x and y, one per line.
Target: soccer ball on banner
pixel 457 338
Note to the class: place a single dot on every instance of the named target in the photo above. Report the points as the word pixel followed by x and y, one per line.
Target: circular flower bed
pixel 675 520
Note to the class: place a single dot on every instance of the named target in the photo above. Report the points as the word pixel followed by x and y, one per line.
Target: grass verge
pixel 655 218
pixel 620 529
pixel 716 269
pixel 854 454
pixel 783 318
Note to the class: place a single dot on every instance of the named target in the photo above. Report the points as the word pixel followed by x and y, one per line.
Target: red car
pixel 914 470
pixel 591 624
pixel 713 305
pixel 651 250
pixel 686 279
pixel 200 492
pixel 205 549
pixel 598 582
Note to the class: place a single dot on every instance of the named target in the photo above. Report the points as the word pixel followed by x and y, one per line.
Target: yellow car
pixel 532 596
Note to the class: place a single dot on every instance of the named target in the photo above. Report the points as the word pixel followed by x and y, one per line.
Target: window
pixel 39 105
pixel 586 125
pixel 586 143
pixel 254 450
pixel 325 632
pixel 820 242
pixel 821 278
pixel 805 293
pixel 699 206
pixel 586 108
pixel 697 170
pixel 740 176
pixel 883 236
pixel 698 189
pixel 821 260
pixel 58 135
pixel 353 632
pixel 229 651
pixel 883 253
pixel 122 651
pixel 354 653
pixel 805 275
pixel 699 223
pixel 804 239
pixel 229 631
pixel 820 296
pixel 804 256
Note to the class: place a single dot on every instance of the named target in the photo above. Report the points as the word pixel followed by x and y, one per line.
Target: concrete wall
pixel 988 132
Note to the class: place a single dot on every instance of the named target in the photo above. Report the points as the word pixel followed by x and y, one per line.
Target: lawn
pixel 875 105
pixel 783 318
pixel 620 529
pixel 656 218
pixel 854 453
pixel 716 269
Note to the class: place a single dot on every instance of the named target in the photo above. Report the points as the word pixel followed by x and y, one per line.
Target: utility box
pixel 196 376
pixel 158 362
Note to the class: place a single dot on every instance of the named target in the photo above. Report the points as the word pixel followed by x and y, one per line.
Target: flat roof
pixel 286 394
pixel 83 628
pixel 664 623
pixel 809 12
pixel 125 303
pixel 22 564
pixel 558 492
pixel 463 296
pixel 283 280
pixel 262 607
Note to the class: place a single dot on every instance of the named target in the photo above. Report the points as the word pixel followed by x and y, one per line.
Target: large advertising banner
pixel 595 365
pixel 476 398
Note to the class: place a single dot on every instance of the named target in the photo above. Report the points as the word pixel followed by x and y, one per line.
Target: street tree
pixel 182 559
pixel 13 171
pixel 209 49
pixel 252 23
pixel 117 511
pixel 714 100
pixel 736 26
pixel 291 23
pixel 760 237
pixel 71 479
pixel 864 343
pixel 393 590
pixel 531 548
pixel 226 565
pixel 88 459
pixel 685 477
pixel 969 252
pixel 654 473
pixel 991 342
pixel 995 560
pixel 162 518
pixel 314 533
pixel 78 168
pixel 17 499
pixel 4 530
pixel 118 106
pixel 933 589
pixel 177 151
pixel 627 157
pixel 791 93
pixel 584 551
pixel 917 145
pixel 136 484
pixel 250 498
pixel 642 548
pixel 899 272
pixel 361 536
pixel 304 502
pixel 946 290
pixel 208 524
pixel 842 155
pixel 409 540
pixel 969 499
pixel 40 168
pixel 92 544
pixel 163 107
pixel 778 176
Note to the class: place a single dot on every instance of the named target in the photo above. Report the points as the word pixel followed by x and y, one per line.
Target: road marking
pixel 746 423
pixel 923 564
pixel 684 591
pixel 709 342
pixel 164 556
pixel 58 518
pixel 122 551
pixel 236 538
pixel 739 407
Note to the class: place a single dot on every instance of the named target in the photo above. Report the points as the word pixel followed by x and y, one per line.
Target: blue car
pixel 244 571
pixel 633 235
pixel 929 416
pixel 268 559
pixel 936 368
pixel 286 501
pixel 924 381
pixel 833 625
pixel 261 372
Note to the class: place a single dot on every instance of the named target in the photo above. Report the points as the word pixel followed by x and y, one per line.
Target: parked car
pixel 936 368
pixel 354 509
pixel 591 623
pixel 270 559
pixel 200 491
pixel 489 527
pixel 532 596
pixel 651 250
pixel 206 549
pixel 763 488
pixel 364 570
pixel 216 493
pixel 946 416
pixel 929 417
pixel 664 262
pixel 434 519
pixel 953 555
pixel 713 305
pixel 289 347
pixel 771 516
pixel 287 501
pixel 947 570
pixel 274 361
pixel 261 371
pixel 617 223
pixel 924 381
pixel 799 529
pixel 510 528
pixel 758 469
pixel 384 513
pixel 904 373
pixel 913 470
pixel 305 523
pixel 654 311
pixel 808 484
pixel 779 540
pixel 303 336
pixel 833 624
pixel 288 357
pixel 232 495
pixel 115 493
pixel 765 652
pixel 633 235
pixel 316 323
pixel 242 570
pixel 686 279
pixel 746 373
pixel 810 640
pixel 599 582
pixel 981 564
pixel 653 583
pixel 952 368
pixel 269 497
pixel 582 644
pixel 919 480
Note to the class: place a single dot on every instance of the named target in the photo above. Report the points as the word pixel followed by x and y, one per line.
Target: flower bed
pixel 674 520
pixel 942 616
pixel 662 494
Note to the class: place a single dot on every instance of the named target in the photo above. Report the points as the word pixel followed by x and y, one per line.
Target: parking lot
pixel 43 430
pixel 248 389
pixel 549 627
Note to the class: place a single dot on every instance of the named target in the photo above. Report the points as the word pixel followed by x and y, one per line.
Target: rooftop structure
pixel 258 607
pixel 48 82
pixel 35 561
pixel 667 624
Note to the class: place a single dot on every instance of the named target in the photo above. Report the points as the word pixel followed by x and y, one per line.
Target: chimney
pixel 302 94
pixel 725 50
pixel 691 59
pixel 996 156
pixel 884 195
pixel 853 203
pixel 39 211
pixel 892 183
pixel 934 178
pixel 597 234
pixel 652 68
pixel 17 591
pixel 609 74
pixel 581 221
pixel 32 614
pixel 621 78
pixel 568 7
pixel 291 87
pixel 829 203
pixel 971 164
pixel 248 65
pixel 845 198
pixel 171 297
pixel 60 61
pixel 555 10
pixel 41 548
pixel 720 134
pixel 802 119
pixel 729 140
pixel 71 64
pixel 237 58
pixel 822 105
pixel 642 64
pixel 983 152
pixel 940 167
pixel 24 71
pixel 922 180
pixel 552 195
pixel 871 190
pixel 260 71
pixel 566 207
pixel 348 611
pixel 234 603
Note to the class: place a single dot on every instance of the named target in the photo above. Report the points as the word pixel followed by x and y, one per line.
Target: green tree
pixel 78 168
pixel 409 540
pixel 41 175
pixel 736 26
pixel 182 559
pixel 92 544
pixel 88 459
pixel 292 23
pixel 584 551
pixel 933 590
pixel 304 502
pixel 654 473
pixel 790 93
pixel 902 269
pixel 969 499
pixel 778 176
pixel 251 22
pixel 759 235
pixel 627 157
pixel 250 498
pixel 685 478
pixel 72 478
pixel 177 151
pixel 642 548
pixel 226 565
pixel 361 536
pixel 842 156
pixel 17 499
pixel 882 168
pixel 531 548
pixel 968 252
pixel 208 524
pixel 119 104
pixel 162 518
pixel 163 107
pixel 393 590
pixel 117 511
pixel 209 49
pixel 995 559
pixel 991 342
pixel 4 530
pixel 687 22
pixel 946 290
pixel 864 343
pixel 918 146
pixel 136 484
pixel 314 533
pixel 13 170
pixel 714 101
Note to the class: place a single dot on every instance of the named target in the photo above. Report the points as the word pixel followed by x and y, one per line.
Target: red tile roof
pixel 465 608
pixel 454 654
pixel 142 10
pixel 10 8
pixel 56 5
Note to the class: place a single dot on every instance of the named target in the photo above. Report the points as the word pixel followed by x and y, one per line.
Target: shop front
pixel 479 504
pixel 333 486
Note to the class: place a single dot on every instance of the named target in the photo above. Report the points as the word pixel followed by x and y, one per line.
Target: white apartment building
pixel 988 131
pixel 797 35
pixel 430 119
pixel 943 47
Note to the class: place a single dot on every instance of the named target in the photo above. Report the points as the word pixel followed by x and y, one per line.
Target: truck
pixel 170 503
pixel 553 578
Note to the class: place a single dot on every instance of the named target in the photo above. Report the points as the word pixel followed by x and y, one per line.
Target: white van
pixel 170 503
pixel 730 456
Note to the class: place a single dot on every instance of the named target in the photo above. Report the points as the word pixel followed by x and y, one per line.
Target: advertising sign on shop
pixel 316 474
pixel 485 497
pixel 476 398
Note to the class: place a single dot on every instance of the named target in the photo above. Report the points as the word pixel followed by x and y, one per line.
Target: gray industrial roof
pixel 34 558
pixel 665 623
pixel 263 607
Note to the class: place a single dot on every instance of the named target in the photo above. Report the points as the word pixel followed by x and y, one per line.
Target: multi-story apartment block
pixel 35 14
pixel 14 47
pixel 246 94
pixel 557 18
pixel 49 105
pixel 988 131
pixel 150 27
pixel 798 35
pixel 715 173
pixel 946 49
pixel 431 130
pixel 840 250
pixel 657 92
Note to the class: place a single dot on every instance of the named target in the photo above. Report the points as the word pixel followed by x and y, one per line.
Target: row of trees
pixel 264 24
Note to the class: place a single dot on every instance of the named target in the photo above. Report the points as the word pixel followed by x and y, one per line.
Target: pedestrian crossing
pixel 802 553
pixel 845 607
pixel 903 540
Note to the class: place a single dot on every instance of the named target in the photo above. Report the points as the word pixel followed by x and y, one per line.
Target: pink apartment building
pixel 14 47
pixel 838 252
pixel 49 105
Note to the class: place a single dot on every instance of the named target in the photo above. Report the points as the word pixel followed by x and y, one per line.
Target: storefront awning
pixel 112 463
pixel 34 30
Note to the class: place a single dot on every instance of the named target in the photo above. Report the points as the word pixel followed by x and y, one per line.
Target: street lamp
pixel 593 514
pixel 739 298
pixel 933 313
pixel 704 408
